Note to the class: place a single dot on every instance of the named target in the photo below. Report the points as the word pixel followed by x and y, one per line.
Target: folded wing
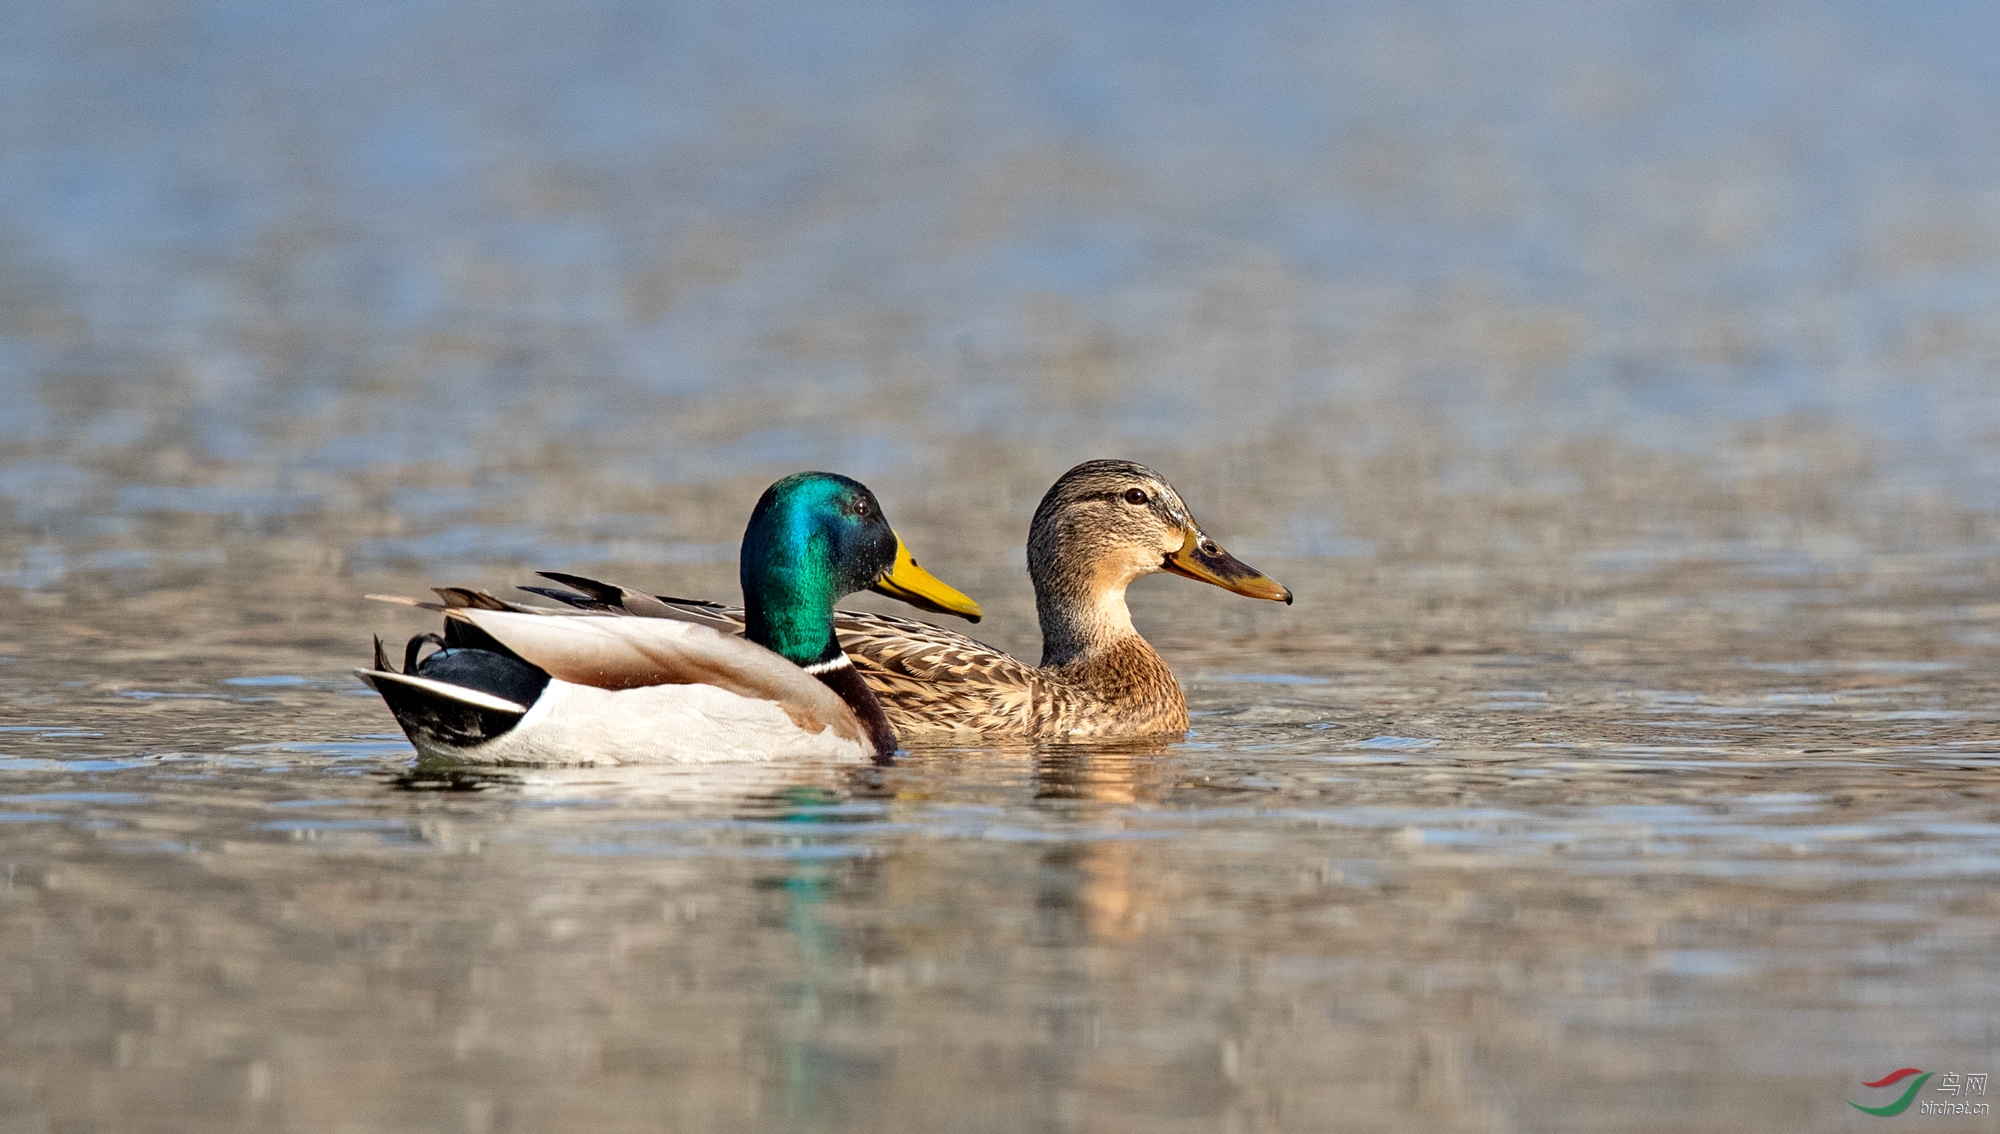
pixel 934 680
pixel 929 679
pixel 619 652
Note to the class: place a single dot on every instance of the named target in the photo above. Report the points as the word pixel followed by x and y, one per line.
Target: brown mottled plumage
pixel 1103 525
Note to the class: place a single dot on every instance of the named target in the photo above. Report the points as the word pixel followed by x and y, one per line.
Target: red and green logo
pixel 1891 1079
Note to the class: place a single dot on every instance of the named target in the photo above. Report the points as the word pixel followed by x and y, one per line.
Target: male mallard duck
pixel 510 684
pixel 1103 525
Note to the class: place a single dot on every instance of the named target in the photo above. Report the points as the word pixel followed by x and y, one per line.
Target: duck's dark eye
pixel 1135 496
pixel 862 506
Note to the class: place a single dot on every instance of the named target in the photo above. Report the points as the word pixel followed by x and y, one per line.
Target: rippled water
pixel 1617 386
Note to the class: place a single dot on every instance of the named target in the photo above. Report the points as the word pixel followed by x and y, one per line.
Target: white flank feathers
pixel 655 724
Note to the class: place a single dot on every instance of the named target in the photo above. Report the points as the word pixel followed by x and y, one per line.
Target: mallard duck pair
pixel 624 676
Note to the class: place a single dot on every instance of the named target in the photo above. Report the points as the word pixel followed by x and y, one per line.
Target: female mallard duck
pixel 512 685
pixel 1103 525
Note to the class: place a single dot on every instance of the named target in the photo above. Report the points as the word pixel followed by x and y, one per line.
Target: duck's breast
pixel 655 724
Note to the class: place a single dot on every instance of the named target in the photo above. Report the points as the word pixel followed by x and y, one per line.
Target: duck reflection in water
pixel 1089 888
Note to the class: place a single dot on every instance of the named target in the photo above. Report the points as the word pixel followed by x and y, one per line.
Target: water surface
pixel 1618 388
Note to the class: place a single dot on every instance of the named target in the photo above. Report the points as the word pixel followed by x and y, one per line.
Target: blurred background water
pixel 1614 383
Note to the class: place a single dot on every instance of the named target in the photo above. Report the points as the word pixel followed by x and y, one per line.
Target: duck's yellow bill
pixel 1200 558
pixel 921 589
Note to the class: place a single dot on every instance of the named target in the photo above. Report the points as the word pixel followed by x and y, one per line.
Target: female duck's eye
pixel 1135 496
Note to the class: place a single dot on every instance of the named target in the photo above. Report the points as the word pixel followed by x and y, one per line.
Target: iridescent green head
pixel 814 538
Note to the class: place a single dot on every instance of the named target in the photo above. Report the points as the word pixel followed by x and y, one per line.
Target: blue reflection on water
pixel 1418 146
